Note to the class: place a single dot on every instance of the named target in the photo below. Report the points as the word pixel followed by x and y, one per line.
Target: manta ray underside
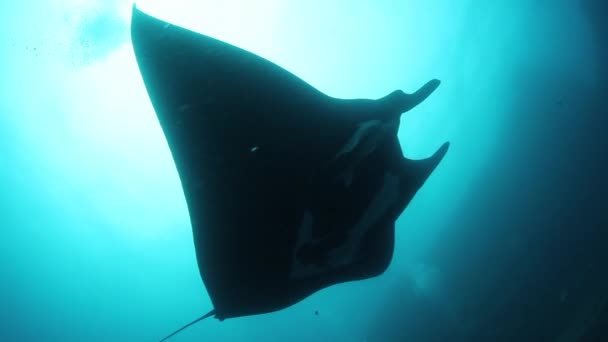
pixel 289 190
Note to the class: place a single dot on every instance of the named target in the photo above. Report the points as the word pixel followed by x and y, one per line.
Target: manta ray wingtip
pixel 436 158
pixel 420 170
pixel 442 150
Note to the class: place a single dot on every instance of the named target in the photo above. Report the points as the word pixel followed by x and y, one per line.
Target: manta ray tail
pixel 208 314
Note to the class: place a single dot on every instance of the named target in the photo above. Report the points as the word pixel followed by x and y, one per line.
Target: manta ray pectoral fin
pixel 401 102
pixel 419 170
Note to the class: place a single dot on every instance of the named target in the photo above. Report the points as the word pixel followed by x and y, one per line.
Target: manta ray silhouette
pixel 289 190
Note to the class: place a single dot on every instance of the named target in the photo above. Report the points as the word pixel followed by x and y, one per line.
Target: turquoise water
pixel 506 241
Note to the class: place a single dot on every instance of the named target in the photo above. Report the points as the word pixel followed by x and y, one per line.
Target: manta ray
pixel 289 190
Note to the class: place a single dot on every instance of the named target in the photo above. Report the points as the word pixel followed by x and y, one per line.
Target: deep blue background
pixel 508 240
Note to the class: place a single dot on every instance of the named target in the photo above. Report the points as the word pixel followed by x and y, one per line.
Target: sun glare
pixel 247 24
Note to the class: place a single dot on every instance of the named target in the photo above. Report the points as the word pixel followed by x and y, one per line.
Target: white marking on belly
pixel 344 254
pixel 363 129
pixel 373 130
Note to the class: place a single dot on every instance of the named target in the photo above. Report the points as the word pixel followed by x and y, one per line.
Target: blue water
pixel 507 241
